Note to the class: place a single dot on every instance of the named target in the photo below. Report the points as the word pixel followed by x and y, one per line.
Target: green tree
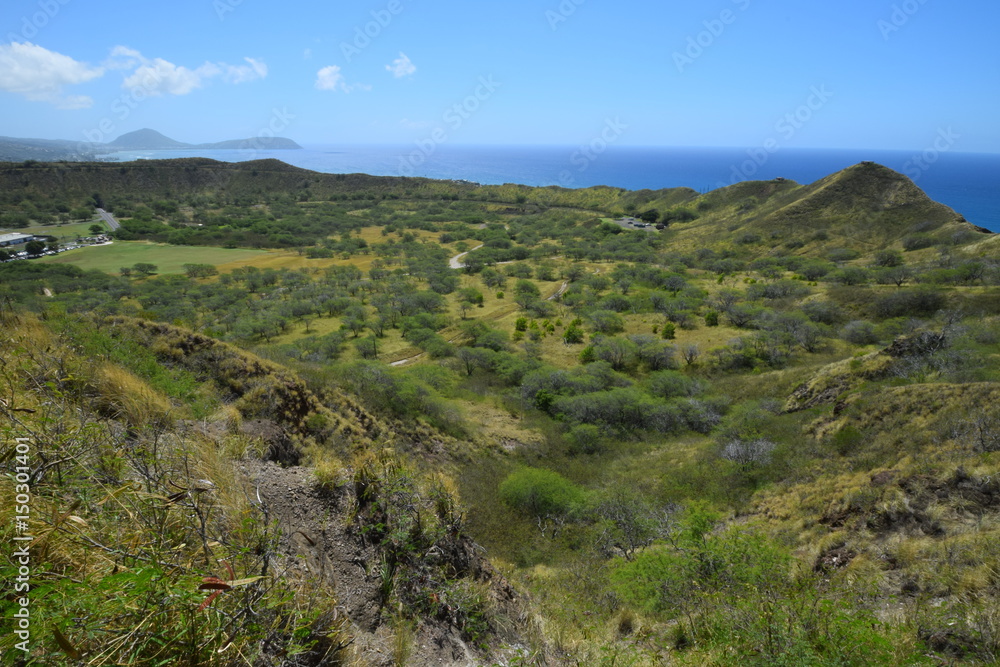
pixel 526 293
pixel 469 297
pixel 81 213
pixel 492 278
pixel 628 522
pixel 34 247
pixel 367 347
pixel 355 319
pixel 145 268
pixel 607 321
pixel 887 258
pixel 621 353
pixel 200 270
pixel 472 358
pixel 573 335
pixel 585 439
pixel 650 215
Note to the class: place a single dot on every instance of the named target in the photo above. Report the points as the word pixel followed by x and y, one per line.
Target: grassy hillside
pixel 255 179
pixel 762 435
pixel 151 544
pixel 864 208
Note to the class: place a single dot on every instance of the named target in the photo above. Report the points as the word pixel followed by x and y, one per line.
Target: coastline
pixel 967 182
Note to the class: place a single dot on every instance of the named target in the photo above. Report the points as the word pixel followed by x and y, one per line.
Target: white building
pixel 14 239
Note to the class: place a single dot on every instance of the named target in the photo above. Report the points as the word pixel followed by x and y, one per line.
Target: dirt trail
pixel 559 292
pixel 315 542
pixel 456 261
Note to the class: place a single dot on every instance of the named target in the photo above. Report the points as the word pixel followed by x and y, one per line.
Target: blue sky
pixel 849 74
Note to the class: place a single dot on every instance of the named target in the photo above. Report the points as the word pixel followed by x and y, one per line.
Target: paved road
pixel 108 218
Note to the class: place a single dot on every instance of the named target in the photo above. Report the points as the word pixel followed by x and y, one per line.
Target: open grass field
pixel 168 258
pixel 64 233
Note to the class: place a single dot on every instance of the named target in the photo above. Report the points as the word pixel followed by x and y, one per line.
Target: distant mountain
pixel 151 140
pixel 13 149
pixel 259 143
pixel 146 140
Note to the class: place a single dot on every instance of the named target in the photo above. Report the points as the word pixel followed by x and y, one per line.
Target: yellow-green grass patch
pixel 63 233
pixel 167 258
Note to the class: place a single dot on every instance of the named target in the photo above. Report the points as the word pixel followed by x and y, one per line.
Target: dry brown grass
pixel 496 425
pixel 122 395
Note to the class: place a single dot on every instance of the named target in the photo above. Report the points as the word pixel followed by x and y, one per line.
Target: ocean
pixel 967 182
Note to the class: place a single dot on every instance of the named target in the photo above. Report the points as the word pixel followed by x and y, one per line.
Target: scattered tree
pixel 145 268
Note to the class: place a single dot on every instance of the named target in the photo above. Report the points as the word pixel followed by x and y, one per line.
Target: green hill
pixel 443 423
pixel 865 208
pixel 145 139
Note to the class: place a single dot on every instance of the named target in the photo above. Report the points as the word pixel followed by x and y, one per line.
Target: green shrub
pixel 733 590
pixel 917 242
pixel 909 303
pixel 859 332
pixel 573 335
pixel 673 384
pixel 541 492
pixel 585 439
pixel 843 255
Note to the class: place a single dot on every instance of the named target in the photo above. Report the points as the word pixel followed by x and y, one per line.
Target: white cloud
pixel 161 77
pixel 331 78
pixel 402 66
pixel 307 54
pixel 122 57
pixel 255 69
pixel 40 75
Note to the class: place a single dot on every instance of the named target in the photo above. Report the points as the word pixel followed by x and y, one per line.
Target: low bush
pixel 539 493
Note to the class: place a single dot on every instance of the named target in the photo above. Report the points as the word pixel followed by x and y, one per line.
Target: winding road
pixel 108 218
